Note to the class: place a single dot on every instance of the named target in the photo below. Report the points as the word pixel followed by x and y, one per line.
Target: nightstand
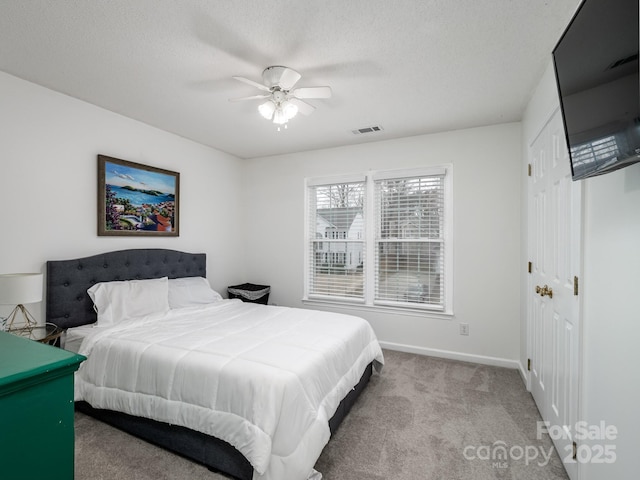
pixel 48 333
pixel 36 409
pixel 250 292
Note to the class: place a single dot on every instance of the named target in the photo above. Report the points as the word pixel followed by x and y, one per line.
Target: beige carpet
pixel 422 418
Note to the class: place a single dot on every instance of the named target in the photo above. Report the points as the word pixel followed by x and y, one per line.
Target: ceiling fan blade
pixel 252 97
pixel 303 107
pixel 312 92
pixel 283 77
pixel 289 78
pixel 252 83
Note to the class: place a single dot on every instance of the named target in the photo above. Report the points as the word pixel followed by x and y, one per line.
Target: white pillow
pixel 120 301
pixel 189 291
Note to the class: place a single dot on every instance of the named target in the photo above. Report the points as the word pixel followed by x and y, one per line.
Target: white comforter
pixel 264 379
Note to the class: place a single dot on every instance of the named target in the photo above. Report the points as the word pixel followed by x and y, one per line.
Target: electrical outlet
pixel 464 329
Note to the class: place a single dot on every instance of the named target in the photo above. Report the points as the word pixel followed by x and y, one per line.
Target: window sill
pixel 408 311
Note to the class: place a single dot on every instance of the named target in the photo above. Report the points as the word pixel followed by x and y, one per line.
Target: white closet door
pixel 554 316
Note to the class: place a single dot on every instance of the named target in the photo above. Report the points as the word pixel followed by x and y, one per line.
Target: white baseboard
pixel 464 357
pixel 523 375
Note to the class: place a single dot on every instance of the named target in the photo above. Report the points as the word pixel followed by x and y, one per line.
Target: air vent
pixel 373 129
pixel 623 61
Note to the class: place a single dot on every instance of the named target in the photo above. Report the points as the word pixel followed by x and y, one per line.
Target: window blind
pixel 336 240
pixel 381 239
pixel 410 248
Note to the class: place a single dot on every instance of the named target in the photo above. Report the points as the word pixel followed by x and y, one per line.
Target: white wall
pixel 48 184
pixel 609 389
pixel 48 181
pixel 486 234
pixel 612 315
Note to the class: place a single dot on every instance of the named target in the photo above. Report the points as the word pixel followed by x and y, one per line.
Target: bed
pixel 314 377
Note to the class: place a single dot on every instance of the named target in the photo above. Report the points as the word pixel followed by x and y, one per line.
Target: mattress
pixel 265 379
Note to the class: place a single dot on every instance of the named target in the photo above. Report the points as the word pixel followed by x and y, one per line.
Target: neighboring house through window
pixel 381 239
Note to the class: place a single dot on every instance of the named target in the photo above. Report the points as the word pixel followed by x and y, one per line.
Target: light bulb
pixel 279 117
pixel 289 109
pixel 266 109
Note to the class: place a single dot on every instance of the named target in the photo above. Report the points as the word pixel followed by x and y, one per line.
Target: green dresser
pixel 36 409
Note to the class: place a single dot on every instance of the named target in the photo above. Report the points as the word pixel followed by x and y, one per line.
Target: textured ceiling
pixel 410 66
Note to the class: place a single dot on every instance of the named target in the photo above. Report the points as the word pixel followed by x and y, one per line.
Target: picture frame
pixel 136 199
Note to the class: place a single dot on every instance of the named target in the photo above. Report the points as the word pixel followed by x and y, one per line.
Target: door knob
pixel 544 290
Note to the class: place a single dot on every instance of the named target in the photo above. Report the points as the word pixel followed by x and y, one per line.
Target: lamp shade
pixel 278 117
pixel 289 109
pixel 266 109
pixel 20 288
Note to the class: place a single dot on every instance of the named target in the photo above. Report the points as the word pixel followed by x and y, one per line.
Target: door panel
pixel 539 323
pixel 554 239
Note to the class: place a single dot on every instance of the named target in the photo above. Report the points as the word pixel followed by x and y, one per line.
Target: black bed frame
pixel 69 305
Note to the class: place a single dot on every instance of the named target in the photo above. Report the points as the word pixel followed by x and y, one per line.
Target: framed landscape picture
pixel 136 199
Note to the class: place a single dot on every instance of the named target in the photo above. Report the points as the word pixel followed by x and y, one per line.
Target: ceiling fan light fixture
pixel 283 102
pixel 279 117
pixel 289 109
pixel 267 109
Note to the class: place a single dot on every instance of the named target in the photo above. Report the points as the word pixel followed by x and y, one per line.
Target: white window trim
pixel 370 244
pixel 351 305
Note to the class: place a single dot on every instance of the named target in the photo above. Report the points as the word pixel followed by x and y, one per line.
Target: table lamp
pixel 18 289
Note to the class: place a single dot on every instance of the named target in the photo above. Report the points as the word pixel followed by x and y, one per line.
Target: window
pixel 410 240
pixel 381 239
pixel 334 224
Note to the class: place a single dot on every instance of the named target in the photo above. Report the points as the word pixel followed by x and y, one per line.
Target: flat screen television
pixel 596 67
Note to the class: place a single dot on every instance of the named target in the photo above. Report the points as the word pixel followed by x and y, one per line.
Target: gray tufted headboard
pixel 69 305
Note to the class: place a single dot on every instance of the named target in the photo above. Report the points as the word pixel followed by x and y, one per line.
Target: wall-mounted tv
pixel 596 67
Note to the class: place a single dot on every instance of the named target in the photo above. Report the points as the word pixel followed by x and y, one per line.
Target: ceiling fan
pixel 283 101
